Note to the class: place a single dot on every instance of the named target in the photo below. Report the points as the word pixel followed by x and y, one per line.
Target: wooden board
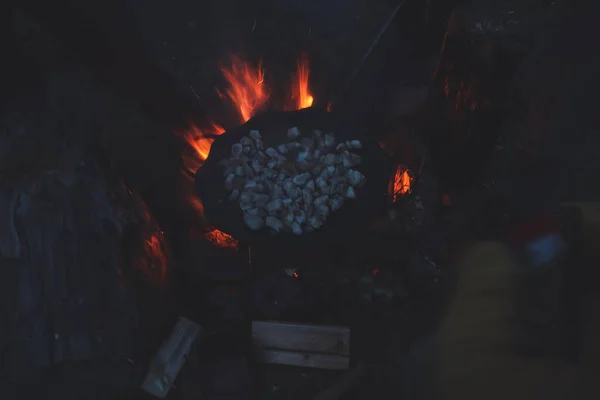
pixel 304 345
pixel 302 359
pixel 302 337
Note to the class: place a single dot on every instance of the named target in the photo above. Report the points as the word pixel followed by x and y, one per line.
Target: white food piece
pixel 236 149
pixel 260 200
pixel 329 159
pixel 246 197
pixel 289 218
pixel 254 222
pixel 336 203
pixel 350 159
pixel 307 196
pixel 300 217
pixel 274 206
pixel 355 178
pixel 274 223
pixel 245 206
pixel 329 140
pixel 255 212
pixel 271 152
pixel 251 185
pixel 350 193
pixel 323 211
pixel 255 164
pixel 234 195
pixel 341 147
pixel 315 222
pixel 293 133
pixel 229 181
pixel 293 146
pixel 294 186
pixel 301 179
pixel 321 200
pixel 296 228
pixel 255 134
pixel 354 144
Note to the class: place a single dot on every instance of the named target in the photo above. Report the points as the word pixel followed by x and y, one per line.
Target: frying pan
pixel 341 226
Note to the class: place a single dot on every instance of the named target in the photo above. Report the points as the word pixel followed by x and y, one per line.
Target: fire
pixel 301 97
pixel 403 180
pixel 200 141
pixel 221 239
pixel 247 91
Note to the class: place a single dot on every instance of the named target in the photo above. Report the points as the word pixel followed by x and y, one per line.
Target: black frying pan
pixel 342 225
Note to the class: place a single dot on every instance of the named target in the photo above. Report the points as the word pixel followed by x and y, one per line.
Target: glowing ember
pixel 403 181
pixel 246 89
pixel 158 259
pixel 221 239
pixel 301 97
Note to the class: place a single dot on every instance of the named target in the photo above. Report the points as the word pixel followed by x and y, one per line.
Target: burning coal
pixel 294 187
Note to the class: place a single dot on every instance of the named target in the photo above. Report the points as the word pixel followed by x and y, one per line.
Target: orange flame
pixel 301 96
pixel 246 89
pixel 200 141
pixel 403 181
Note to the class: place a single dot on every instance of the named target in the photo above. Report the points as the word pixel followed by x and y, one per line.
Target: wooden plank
pixel 300 359
pixel 302 337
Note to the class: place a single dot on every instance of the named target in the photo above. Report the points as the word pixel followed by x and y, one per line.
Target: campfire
pixel 248 94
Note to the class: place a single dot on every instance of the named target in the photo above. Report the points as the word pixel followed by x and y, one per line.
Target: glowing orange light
pixel 221 239
pixel 246 91
pixel 301 96
pixel 402 184
pixel 200 140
